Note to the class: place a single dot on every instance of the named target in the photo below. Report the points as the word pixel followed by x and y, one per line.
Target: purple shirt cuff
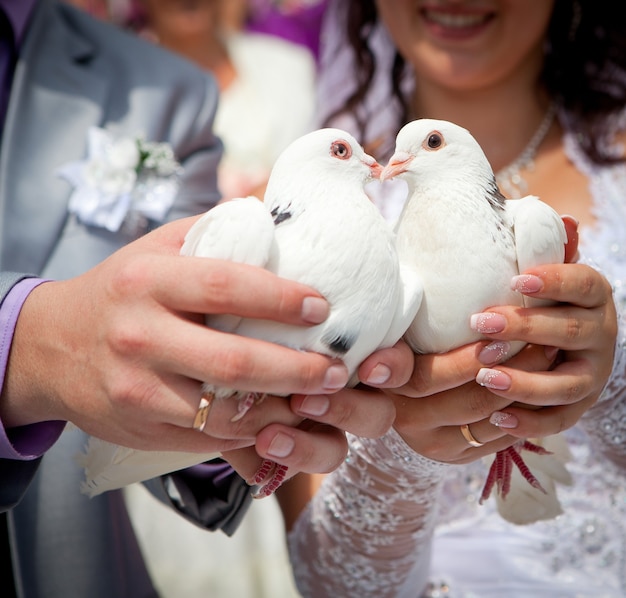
pixel 23 443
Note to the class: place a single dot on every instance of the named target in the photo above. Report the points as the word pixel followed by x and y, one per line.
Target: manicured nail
pixel 314 405
pixel 494 353
pixel 315 310
pixel 336 377
pixel 551 352
pixel 281 446
pixel 488 322
pixel 379 375
pixel 526 283
pixel 493 379
pixel 503 420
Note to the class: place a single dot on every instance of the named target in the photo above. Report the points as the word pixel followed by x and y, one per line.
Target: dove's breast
pixel 466 268
pixel 349 256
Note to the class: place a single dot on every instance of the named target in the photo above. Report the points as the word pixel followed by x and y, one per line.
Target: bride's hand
pixel 540 391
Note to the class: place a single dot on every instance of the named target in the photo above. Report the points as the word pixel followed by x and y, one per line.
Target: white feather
pixel 525 504
pixel 318 227
pixel 466 242
pixel 110 466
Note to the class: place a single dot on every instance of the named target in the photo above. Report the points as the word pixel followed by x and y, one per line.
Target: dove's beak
pixel 375 168
pixel 398 163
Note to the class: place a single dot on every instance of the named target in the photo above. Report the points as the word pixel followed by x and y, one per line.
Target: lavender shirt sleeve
pixel 22 443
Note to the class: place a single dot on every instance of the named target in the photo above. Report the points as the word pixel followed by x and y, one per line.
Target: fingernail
pixel 503 420
pixel 281 446
pixel 551 352
pixel 487 322
pixel 315 310
pixel 526 283
pixel 315 405
pixel 494 353
pixel 493 379
pixel 336 377
pixel 379 374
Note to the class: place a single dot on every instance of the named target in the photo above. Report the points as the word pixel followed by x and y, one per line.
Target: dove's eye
pixel 341 150
pixel 434 140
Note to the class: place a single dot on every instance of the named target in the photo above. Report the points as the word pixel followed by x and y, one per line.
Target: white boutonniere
pixel 121 178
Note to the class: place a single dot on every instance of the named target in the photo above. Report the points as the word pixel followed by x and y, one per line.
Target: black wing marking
pixel 280 215
pixel 339 343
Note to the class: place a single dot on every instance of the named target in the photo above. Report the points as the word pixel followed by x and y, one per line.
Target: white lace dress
pixel 390 522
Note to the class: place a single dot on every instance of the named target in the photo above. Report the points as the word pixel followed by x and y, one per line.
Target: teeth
pixel 454 20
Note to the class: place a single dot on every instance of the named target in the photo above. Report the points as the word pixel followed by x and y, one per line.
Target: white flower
pixel 159 157
pixel 120 177
pixel 124 154
pixel 99 174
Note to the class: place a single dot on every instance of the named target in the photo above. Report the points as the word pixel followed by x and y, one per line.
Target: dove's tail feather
pixel 525 503
pixel 110 466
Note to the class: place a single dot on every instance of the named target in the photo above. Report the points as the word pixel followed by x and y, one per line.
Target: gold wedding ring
pixel 199 422
pixel 469 436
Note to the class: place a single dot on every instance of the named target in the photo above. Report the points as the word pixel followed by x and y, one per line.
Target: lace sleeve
pixel 367 531
pixel 605 422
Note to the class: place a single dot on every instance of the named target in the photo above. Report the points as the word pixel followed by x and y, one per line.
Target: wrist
pixel 25 443
pixel 391 454
pixel 20 403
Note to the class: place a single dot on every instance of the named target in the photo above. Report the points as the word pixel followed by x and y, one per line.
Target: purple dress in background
pixel 297 22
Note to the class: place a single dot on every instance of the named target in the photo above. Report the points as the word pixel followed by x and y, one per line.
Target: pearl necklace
pixel 509 178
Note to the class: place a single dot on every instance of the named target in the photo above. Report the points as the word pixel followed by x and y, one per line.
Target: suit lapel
pixel 54 100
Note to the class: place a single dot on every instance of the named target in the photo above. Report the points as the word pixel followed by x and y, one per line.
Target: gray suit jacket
pixel 75 72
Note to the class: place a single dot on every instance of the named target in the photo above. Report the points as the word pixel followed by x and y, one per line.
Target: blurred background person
pixel 298 21
pixel 266 82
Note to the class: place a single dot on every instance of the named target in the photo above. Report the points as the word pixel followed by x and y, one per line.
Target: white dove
pixel 466 242
pixel 316 226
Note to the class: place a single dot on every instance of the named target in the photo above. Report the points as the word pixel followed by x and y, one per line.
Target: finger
pixel 435 373
pixel 222 422
pixel 465 404
pixel 482 431
pixel 167 417
pixel 388 368
pixel 448 444
pixel 568 327
pixel 364 413
pixel 209 286
pixel 319 449
pixel 577 284
pixel 568 383
pixel 245 462
pixel 205 285
pixel 227 360
pixel 525 423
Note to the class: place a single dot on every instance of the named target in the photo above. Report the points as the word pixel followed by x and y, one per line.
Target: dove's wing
pixel 540 235
pixel 110 466
pixel 410 293
pixel 240 230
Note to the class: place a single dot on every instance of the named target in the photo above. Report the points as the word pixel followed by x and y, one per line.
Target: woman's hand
pixel 541 391
pixel 583 326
